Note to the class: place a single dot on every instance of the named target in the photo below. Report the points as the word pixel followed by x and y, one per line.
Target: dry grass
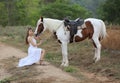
pixel 112 41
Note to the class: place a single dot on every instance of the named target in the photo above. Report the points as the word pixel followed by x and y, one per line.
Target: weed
pixel 5 80
pixel 70 69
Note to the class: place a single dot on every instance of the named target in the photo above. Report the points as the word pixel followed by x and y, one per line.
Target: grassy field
pixel 80 54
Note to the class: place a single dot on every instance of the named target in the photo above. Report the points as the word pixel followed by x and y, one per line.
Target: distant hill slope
pixel 91 5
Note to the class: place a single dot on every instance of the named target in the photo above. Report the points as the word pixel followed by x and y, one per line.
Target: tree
pixel 3 14
pixel 91 5
pixel 110 11
pixel 61 10
pixel 27 12
pixel 18 12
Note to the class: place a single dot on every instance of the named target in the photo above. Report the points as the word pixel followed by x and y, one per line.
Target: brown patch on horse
pixel 59 41
pixel 86 32
pixel 94 44
pixel 100 38
pixel 40 28
pixel 56 37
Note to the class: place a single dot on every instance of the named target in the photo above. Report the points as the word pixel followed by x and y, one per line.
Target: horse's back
pixel 95 22
pixel 98 25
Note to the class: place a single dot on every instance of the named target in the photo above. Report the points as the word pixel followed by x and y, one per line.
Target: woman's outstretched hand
pixel 37 38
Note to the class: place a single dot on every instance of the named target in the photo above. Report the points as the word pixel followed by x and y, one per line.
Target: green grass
pixel 6 80
pixel 70 69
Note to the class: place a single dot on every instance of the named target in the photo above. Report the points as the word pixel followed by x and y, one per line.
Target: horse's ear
pixel 41 19
pixel 66 21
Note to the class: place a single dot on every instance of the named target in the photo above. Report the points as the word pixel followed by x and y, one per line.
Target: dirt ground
pixel 9 57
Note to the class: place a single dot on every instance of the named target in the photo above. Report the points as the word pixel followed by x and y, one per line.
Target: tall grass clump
pixel 112 41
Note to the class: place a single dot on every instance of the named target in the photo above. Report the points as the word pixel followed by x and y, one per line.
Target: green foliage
pixel 110 11
pixel 62 10
pixel 3 14
pixel 19 12
pixel 91 5
pixel 26 12
pixel 6 80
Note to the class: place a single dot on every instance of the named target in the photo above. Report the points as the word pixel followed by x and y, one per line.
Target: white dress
pixel 34 55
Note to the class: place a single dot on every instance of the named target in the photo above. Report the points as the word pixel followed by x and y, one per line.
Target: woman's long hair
pixel 26 39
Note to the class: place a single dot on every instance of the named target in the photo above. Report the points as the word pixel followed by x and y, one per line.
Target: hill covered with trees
pixel 27 12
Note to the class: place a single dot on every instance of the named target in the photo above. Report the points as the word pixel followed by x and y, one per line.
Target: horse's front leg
pixel 65 61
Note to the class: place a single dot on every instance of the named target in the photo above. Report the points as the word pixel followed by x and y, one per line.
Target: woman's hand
pixel 37 38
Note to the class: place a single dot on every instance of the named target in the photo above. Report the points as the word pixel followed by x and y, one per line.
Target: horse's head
pixel 40 27
pixel 72 26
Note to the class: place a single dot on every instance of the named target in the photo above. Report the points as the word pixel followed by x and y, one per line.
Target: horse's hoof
pixel 62 65
pixel 96 60
pixel 66 65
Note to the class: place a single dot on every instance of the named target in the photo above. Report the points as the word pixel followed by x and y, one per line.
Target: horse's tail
pixel 103 32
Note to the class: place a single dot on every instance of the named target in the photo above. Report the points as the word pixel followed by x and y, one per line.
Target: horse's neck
pixel 52 24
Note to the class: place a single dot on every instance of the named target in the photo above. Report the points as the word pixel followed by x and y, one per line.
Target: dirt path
pixel 9 57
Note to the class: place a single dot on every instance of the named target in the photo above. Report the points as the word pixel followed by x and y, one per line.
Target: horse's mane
pixel 52 24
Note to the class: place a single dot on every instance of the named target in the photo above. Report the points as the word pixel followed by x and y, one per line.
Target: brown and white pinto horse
pixel 67 32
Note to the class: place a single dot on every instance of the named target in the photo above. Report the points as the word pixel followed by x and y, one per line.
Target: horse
pixel 96 29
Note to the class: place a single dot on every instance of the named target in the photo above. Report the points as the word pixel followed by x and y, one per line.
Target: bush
pixel 109 11
pixel 5 81
pixel 62 10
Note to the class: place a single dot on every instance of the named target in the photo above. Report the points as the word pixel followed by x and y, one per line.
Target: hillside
pixel 91 5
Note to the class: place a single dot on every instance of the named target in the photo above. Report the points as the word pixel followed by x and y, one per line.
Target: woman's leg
pixel 42 56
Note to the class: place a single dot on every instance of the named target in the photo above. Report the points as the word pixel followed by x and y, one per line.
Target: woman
pixel 34 54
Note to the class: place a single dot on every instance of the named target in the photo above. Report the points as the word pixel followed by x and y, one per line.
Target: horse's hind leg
pixel 97 45
pixel 95 50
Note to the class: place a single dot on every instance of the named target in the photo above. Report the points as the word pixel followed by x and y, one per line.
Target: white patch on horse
pixel 82 26
pixel 79 33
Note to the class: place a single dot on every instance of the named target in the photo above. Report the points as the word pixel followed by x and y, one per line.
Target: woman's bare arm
pixel 37 38
pixel 31 41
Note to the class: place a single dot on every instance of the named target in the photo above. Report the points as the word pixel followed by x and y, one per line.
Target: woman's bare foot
pixel 42 63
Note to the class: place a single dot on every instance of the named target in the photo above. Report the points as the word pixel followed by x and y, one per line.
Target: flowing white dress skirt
pixel 34 55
